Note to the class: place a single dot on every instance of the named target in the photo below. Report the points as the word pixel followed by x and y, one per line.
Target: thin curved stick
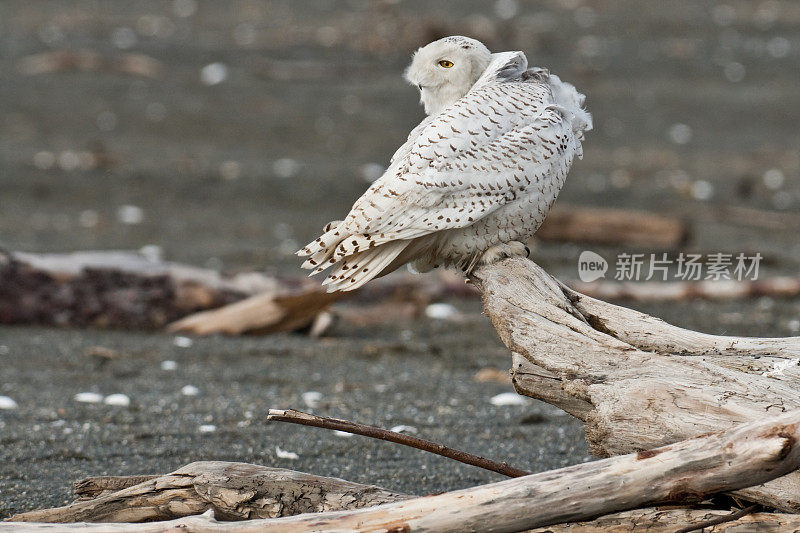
pixel 307 419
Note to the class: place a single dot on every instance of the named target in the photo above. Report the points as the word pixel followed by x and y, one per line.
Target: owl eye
pixel 445 63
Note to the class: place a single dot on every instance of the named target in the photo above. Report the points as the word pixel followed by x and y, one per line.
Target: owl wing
pixel 484 151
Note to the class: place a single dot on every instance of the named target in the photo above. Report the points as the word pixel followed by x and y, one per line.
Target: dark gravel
pixel 420 375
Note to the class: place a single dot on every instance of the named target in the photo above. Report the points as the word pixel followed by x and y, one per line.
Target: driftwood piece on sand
pixel 90 61
pixel 635 380
pixel 260 314
pixel 656 520
pixel 687 471
pixel 234 491
pixel 682 291
pixel 601 225
pixel 131 290
pixel 112 289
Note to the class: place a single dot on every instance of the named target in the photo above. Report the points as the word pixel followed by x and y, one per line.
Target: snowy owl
pixel 476 177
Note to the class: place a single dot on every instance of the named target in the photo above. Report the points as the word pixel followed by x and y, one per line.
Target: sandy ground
pixel 261 125
pixel 421 376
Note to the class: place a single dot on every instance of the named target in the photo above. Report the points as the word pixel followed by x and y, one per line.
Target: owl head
pixel 446 69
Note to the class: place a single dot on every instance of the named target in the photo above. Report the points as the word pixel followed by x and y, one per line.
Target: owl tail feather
pixel 355 270
pixel 320 251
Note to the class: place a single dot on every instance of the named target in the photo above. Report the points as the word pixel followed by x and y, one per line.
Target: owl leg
pixel 502 251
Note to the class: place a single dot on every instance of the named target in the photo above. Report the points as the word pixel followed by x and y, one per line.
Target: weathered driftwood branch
pixel 234 491
pixel 90 61
pixel 723 519
pixel 92 487
pixel 656 520
pixel 601 225
pixel 676 291
pixel 337 424
pixel 635 380
pixel 260 314
pixel 130 290
pixel 690 470
pixel 652 520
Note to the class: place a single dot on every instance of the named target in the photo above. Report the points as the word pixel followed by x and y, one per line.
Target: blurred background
pixel 226 134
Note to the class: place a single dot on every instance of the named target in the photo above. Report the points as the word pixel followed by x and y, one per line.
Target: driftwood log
pixel 683 291
pixel 121 289
pixel 613 227
pixel 635 380
pixel 131 290
pixel 658 520
pixel 234 491
pixel 687 471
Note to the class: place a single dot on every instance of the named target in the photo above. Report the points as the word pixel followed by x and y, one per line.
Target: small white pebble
pixel 773 179
pixel 182 342
pixel 441 311
pixel 44 160
pixel 328 36
pixel 402 428
pixel 7 403
pixel 190 390
pixel 68 160
pixel 88 218
pixel 508 398
pixel 130 214
pixel 152 252
pixel 779 47
pixel 207 428
pixel 702 190
pixel 117 399
pixel 342 434
pixel 88 397
pixel 312 398
pixel 213 74
pixel 734 72
pixel 283 454
pixel 230 170
pixel 169 365
pixel 680 133
pixel 285 168
pixel 794 325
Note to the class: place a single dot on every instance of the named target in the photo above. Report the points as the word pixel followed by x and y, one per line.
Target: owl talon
pixel 504 250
